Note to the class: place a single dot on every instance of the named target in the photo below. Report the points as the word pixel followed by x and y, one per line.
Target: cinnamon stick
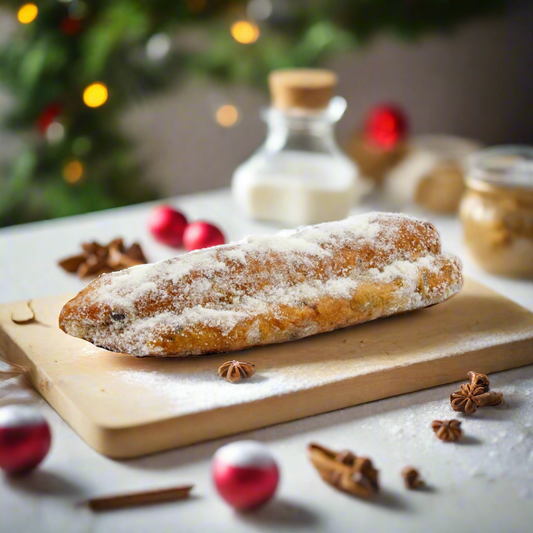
pixel 134 499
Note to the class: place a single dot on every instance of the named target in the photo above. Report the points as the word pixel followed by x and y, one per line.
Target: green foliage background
pixel 42 66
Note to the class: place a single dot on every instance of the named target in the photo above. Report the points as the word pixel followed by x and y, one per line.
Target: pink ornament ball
pixel 167 225
pixel 245 474
pixel 202 235
pixel 25 439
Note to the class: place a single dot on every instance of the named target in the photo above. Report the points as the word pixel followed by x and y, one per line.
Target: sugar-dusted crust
pixel 267 289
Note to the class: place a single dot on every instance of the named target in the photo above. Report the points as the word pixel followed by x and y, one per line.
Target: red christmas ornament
pixel 47 116
pixel 245 474
pixel 386 126
pixel 202 235
pixel 167 225
pixel 70 26
pixel 24 439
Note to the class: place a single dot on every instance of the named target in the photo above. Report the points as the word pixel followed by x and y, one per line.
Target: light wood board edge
pixel 122 443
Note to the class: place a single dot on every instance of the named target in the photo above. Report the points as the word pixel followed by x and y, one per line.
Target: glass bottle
pixel 299 175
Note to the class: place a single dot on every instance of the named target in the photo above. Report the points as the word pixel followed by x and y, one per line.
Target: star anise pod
pixel 411 478
pixel 234 371
pixel 345 471
pixel 466 399
pixel 447 430
pixel 479 380
pixel 97 259
pixel 490 399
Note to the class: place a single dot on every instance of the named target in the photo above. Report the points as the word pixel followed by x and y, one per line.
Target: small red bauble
pixel 386 126
pixel 167 225
pixel 245 474
pixel 24 439
pixel 70 26
pixel 202 235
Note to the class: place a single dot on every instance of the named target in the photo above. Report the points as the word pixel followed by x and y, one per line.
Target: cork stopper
pixel 301 88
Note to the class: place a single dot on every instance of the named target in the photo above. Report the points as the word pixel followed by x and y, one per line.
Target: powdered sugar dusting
pixel 191 387
pixel 223 287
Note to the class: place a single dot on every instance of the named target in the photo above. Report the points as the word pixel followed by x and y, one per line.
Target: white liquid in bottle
pixel 296 187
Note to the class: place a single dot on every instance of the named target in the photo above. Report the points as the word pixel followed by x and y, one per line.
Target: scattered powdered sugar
pixel 186 393
pixel 188 386
pixel 497 440
pixel 90 350
pixel 224 286
pixel 496 445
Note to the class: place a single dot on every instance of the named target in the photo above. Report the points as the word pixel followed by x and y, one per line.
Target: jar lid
pixel 301 88
pixel 504 166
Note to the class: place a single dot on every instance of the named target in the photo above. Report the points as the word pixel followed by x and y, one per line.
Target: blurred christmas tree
pixel 73 66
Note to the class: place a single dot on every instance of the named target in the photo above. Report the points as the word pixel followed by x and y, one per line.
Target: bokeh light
pixel 72 171
pixel 259 9
pixel 245 32
pixel 158 46
pixel 95 95
pixel 27 13
pixel 227 115
pixel 55 132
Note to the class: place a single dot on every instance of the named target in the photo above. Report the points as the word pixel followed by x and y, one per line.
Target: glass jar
pixel 299 175
pixel 497 210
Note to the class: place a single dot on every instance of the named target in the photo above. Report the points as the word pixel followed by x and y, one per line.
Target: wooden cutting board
pixel 126 407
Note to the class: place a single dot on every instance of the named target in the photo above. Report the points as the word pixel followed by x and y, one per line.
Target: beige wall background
pixel 476 82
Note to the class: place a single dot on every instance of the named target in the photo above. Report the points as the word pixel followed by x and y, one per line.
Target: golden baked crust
pixel 267 289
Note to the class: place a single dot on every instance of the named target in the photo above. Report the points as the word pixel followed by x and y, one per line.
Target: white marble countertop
pixel 483 484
